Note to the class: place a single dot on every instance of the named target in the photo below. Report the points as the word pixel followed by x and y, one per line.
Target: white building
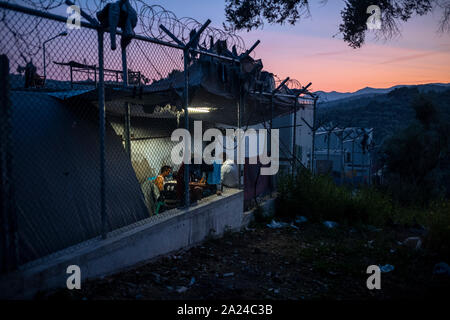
pixel 345 153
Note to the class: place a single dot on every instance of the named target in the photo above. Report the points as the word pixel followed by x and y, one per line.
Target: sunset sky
pixel 308 51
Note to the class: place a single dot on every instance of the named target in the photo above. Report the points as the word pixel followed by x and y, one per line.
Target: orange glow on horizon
pixel 333 66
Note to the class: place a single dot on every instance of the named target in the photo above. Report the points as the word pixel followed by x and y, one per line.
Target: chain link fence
pixel 75 179
pixel 86 130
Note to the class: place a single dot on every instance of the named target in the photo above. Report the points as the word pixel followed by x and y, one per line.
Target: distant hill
pixel 368 91
pixel 385 112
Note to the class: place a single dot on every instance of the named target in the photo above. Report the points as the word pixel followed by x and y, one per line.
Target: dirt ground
pixel 307 261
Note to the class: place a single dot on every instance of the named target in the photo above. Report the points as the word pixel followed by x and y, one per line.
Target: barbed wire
pixel 150 17
pixel 291 83
pixel 27 38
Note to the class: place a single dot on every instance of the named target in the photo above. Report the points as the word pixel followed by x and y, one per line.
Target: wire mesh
pixel 53 137
pixel 54 78
pixel 57 121
pixel 57 136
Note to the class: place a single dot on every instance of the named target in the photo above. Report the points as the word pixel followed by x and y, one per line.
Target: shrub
pixel 261 217
pixel 374 207
pixel 438 223
pixel 319 199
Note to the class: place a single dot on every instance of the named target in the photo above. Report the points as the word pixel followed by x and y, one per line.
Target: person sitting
pixel 229 174
pixel 195 176
pixel 159 181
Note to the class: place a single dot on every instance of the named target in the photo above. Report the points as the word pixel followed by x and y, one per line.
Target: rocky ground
pixel 303 261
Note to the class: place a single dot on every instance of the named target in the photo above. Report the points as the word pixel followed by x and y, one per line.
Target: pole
pixel 127 105
pixel 294 135
pixel 8 236
pixel 45 67
pixel 271 126
pixel 127 129
pixel 313 131
pixel 124 67
pixel 101 108
pixel 43 52
pixel 353 161
pixel 272 178
pixel 71 77
pixel 186 126
pixel 240 142
pixel 330 168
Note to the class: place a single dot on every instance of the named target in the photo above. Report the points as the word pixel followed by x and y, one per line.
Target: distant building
pixel 344 153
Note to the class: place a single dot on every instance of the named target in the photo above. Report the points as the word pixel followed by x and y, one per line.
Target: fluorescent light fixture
pixel 199 110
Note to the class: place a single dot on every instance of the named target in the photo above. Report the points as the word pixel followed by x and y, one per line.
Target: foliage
pixel 416 159
pixel 319 198
pixel 386 113
pixel 438 221
pixel 250 14
pixel 412 138
pixel 354 17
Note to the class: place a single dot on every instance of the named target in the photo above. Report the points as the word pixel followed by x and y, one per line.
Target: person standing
pixel 214 177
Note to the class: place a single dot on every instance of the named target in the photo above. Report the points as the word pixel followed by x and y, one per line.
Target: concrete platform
pixel 142 241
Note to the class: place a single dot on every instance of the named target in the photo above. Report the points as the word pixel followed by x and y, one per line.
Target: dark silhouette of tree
pixel 417 157
pixel 251 14
pixel 426 112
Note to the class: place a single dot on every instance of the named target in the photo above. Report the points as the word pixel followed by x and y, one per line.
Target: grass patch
pixel 319 199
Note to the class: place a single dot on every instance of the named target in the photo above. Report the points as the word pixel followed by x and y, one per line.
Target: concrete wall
pixel 145 240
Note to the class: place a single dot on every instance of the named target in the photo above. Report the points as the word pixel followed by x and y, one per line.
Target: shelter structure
pixel 83 154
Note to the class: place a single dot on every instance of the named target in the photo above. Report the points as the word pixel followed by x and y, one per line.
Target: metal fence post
pixel 353 162
pixel 294 142
pixel 186 125
pixel 313 131
pixel 127 126
pixel 127 129
pixel 9 239
pixel 45 66
pixel 241 143
pixel 101 109
pixel 124 67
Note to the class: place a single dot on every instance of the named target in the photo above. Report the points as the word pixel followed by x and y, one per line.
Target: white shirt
pixel 229 174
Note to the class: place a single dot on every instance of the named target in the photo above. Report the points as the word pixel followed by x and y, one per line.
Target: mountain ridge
pixel 386 113
pixel 325 96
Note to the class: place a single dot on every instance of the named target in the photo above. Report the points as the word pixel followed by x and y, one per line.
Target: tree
pixel 251 14
pixel 417 158
pixel 426 112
